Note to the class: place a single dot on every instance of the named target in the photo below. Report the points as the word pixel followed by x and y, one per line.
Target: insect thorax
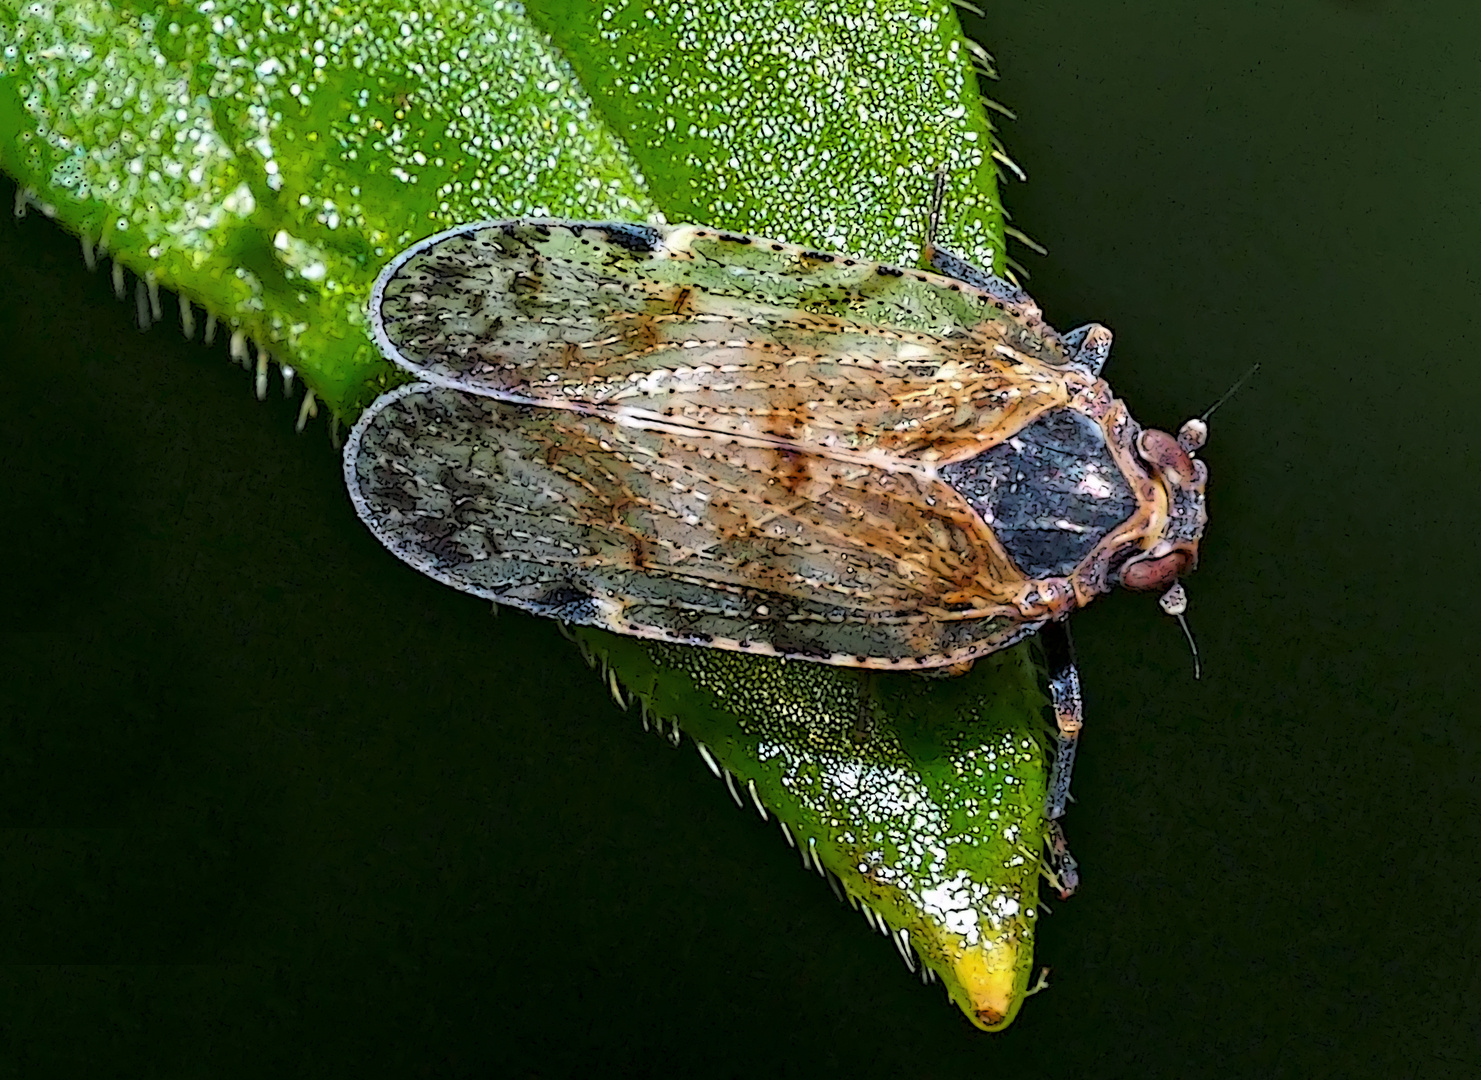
pixel 1050 494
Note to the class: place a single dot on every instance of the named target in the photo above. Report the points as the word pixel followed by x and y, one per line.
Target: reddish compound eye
pixel 1160 449
pixel 1155 573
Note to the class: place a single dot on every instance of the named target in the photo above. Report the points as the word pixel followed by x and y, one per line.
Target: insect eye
pixel 1163 573
pixel 1160 449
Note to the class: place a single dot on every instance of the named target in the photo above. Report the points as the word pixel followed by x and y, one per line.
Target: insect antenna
pixel 1175 603
pixel 1230 392
pixel 1193 434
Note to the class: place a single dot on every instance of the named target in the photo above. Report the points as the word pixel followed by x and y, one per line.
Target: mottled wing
pixel 698 328
pixel 684 537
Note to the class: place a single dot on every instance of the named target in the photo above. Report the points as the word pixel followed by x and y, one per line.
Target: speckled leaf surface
pixel 262 161
pixel 817 123
pixel 922 797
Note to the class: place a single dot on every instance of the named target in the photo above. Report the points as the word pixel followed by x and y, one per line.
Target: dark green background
pixel 328 817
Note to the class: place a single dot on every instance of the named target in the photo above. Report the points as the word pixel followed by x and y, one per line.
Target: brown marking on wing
pixel 638 551
pixel 791 469
pixel 641 334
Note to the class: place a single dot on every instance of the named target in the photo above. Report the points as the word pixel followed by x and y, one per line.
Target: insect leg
pixel 1064 693
pixel 954 266
pixel 1062 869
pixel 1089 346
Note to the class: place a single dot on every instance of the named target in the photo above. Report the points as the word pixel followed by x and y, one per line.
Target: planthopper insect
pixel 697 436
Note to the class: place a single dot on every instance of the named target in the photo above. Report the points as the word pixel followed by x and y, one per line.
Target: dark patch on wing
pixel 565 602
pixel 638 238
pixel 440 538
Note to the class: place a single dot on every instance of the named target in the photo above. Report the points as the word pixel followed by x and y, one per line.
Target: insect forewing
pixel 692 327
pixel 682 537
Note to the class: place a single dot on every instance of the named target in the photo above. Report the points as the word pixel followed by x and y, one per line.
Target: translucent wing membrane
pixel 697 328
pixel 691 537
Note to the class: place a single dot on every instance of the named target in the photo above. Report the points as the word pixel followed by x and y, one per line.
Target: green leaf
pixel 263 161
